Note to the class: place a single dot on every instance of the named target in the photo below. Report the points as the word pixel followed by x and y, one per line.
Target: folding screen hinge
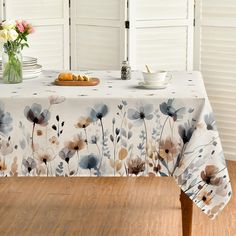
pixel 70 62
pixel 127 24
pixel 69 3
pixel 3 10
pixel 194 22
pixel 69 21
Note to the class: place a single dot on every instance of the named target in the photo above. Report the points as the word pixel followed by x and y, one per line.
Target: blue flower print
pixel 5 121
pixel 89 162
pixel 168 109
pixel 140 114
pixel 98 112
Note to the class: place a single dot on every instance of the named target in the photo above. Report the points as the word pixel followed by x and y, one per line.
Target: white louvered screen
pixel 216 42
pixel 97 34
pixel 1 10
pixel 50 42
pixel 161 34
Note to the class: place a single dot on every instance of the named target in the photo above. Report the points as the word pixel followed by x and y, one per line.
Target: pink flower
pixel 25 23
pixel 24 27
pixel 20 26
pixel 28 27
pixel 31 29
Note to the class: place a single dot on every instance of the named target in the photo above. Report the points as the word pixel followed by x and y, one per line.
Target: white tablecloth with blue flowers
pixel 115 129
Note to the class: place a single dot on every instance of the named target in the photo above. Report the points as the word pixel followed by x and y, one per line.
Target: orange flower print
pixel 135 166
pixel 168 149
pixel 83 122
pixel 39 132
pixel 77 144
pixel 54 140
pixel 209 175
pixel 3 166
pixel 205 197
pixel 44 156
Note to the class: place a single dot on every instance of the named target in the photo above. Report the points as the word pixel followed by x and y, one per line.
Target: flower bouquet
pixel 13 36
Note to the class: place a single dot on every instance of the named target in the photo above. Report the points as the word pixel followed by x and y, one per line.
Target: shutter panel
pixel 216 32
pixel 1 10
pixel 97 34
pixel 161 34
pixel 50 42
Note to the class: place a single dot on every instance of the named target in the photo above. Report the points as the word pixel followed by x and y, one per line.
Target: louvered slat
pixel 50 42
pixel 218 65
pixel 165 47
pixel 158 9
pixel 97 34
pixel 161 34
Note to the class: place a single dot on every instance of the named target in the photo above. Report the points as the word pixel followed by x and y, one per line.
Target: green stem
pixel 12 69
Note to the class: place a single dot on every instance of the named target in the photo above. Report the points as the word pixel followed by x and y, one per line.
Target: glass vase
pixel 12 66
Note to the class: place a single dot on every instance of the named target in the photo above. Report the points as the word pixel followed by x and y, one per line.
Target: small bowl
pixel 154 77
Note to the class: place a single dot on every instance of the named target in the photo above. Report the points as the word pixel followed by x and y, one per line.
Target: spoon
pixel 148 70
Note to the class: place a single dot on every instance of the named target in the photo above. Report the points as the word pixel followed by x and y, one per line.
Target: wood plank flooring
pixel 103 207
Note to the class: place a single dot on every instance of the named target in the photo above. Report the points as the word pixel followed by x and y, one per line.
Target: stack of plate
pixel 30 68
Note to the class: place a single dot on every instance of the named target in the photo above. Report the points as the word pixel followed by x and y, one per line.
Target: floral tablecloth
pixel 115 129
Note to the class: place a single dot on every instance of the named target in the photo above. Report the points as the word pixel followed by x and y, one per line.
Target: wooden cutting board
pixel 92 82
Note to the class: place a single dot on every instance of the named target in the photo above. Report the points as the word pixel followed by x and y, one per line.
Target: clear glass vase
pixel 12 66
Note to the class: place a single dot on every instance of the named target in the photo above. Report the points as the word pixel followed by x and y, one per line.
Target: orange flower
pixel 54 141
pixel 39 132
pixel 77 144
pixel 44 156
pixel 135 166
pixel 3 166
pixel 205 197
pixel 83 122
pixel 209 175
pixel 168 149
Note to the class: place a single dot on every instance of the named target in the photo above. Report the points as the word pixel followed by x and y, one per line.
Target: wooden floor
pixel 101 207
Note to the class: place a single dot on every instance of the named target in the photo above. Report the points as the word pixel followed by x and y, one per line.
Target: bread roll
pixel 65 77
pixel 80 78
pixel 86 78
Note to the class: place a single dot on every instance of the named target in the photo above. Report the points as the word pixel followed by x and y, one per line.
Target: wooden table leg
pixel 187 214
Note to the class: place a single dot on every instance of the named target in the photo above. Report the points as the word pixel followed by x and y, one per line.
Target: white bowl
pixel 154 77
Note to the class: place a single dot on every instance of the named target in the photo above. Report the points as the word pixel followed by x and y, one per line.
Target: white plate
pixel 30 73
pixel 29 60
pixel 32 68
pixel 29 67
pixel 159 85
pixel 31 76
pixel 28 76
pixel 26 61
pixel 154 86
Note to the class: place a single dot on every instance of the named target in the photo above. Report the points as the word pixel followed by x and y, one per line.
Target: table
pixel 116 129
